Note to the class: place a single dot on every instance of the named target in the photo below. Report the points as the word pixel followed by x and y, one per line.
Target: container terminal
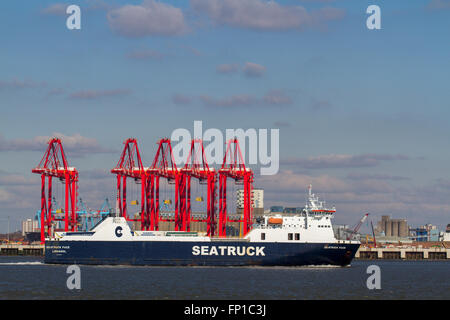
pixel 174 213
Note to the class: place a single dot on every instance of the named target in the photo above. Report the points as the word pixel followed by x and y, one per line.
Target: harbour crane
pixel 54 164
pixel 234 167
pixel 196 167
pixel 130 166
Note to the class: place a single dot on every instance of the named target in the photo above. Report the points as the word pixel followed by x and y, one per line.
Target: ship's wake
pixel 23 263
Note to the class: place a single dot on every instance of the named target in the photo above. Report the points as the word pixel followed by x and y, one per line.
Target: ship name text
pixel 227 251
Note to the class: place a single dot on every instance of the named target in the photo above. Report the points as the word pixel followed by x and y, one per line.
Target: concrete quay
pixel 22 249
pixel 403 253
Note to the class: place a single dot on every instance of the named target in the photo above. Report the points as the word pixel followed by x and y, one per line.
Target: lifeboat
pixel 275 220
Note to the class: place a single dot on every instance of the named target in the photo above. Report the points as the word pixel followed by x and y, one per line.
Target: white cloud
pixel 147 19
pixel 145 54
pixel 439 4
pixel 76 144
pixel 96 94
pixel 254 70
pixel 262 15
pixel 227 68
pixel 272 98
pixel 56 9
pixel 277 97
pixel 20 84
pixel 342 160
pixel 233 101
pixel 181 99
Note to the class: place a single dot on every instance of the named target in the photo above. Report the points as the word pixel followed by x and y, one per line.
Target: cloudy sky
pixel 363 114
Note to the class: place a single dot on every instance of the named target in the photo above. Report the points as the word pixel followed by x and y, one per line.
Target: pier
pixel 22 249
pixel 404 253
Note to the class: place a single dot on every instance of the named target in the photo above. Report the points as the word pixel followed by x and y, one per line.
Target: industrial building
pixel 446 234
pixel 426 232
pixel 341 232
pixel 258 198
pixel 30 225
pixel 396 228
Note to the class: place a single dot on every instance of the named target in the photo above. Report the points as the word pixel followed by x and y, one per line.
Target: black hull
pixel 176 253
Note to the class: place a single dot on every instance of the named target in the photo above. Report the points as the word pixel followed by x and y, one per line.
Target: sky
pixel 363 115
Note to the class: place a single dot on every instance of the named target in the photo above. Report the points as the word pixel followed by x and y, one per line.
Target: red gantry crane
pixel 233 167
pixel 130 166
pixel 54 164
pixel 197 167
pixel 163 166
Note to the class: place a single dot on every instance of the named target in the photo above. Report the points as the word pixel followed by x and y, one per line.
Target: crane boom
pixel 358 226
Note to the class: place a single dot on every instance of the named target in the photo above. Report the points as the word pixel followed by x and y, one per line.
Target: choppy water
pixel 29 278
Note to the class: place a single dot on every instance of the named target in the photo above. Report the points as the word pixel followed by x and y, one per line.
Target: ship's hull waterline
pixel 191 253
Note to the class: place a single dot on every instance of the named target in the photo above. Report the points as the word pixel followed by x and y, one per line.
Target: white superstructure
pixel 311 225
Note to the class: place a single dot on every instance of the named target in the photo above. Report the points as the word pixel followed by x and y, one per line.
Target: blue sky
pixel 363 114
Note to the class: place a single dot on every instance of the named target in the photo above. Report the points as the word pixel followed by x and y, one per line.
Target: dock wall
pixel 407 253
pixel 22 250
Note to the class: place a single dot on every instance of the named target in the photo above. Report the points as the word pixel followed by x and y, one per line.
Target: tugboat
pixel 296 239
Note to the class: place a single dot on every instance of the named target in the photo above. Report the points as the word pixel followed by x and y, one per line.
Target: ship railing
pixel 235 239
pixel 263 226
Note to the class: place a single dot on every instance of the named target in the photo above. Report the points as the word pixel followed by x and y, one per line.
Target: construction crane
pixel 358 226
pixel 372 237
pixel 373 234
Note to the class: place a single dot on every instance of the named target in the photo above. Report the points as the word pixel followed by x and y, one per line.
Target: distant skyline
pixel 363 114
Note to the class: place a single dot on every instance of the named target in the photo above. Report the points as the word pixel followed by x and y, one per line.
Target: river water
pixel 30 278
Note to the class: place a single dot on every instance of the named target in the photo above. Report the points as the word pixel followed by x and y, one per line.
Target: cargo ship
pixel 295 239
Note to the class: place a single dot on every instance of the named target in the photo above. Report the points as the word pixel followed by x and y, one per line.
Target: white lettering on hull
pixel 228 251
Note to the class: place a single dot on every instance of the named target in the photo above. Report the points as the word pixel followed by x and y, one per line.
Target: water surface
pixel 30 278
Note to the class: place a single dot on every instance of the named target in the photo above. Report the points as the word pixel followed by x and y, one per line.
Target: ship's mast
pixel 313 205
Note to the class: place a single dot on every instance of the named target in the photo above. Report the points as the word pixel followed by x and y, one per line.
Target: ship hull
pixel 191 253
